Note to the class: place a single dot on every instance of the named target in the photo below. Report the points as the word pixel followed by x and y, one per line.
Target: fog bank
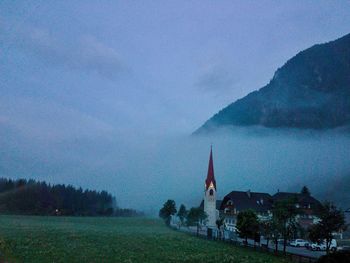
pixel 142 171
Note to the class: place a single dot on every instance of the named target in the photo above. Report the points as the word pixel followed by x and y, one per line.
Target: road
pixel 294 250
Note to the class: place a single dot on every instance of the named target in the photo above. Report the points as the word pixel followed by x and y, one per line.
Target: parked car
pixel 318 246
pixel 322 245
pixel 299 243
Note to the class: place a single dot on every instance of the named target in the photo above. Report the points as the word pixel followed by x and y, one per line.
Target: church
pixel 210 204
pixel 237 201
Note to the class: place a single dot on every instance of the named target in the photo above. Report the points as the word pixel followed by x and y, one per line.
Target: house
pixel 306 203
pixel 347 222
pixel 238 201
pixel 347 216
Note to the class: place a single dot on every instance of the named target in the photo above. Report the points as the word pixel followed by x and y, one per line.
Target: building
pixel 347 216
pixel 306 203
pixel 262 203
pixel 209 201
pixel 238 201
pixel 347 222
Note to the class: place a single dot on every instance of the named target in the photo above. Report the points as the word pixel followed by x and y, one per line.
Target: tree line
pixel 284 224
pixel 30 197
pixel 193 217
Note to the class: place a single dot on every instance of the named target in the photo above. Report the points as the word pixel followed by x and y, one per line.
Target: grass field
pixel 78 239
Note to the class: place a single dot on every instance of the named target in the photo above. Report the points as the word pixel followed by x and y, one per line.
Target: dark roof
pixel 302 199
pixel 260 202
pixel 218 204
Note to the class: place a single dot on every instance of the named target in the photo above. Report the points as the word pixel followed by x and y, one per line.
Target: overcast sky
pixel 77 76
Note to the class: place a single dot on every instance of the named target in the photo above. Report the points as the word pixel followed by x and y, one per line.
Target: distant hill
pixel 311 91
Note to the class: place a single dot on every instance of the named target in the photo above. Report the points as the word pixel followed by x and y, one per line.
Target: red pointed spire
pixel 210 176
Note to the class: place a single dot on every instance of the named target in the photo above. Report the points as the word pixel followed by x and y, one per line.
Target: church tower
pixel 210 193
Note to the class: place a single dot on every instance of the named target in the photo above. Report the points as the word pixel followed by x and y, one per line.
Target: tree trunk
pixel 328 244
pixel 276 245
pixel 267 243
pixel 284 244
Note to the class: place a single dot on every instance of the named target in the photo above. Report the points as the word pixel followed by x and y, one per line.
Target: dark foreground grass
pixel 78 239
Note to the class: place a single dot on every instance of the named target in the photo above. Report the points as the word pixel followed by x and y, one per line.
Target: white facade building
pixel 210 195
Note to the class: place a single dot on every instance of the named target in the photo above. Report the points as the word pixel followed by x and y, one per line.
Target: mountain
pixel 311 91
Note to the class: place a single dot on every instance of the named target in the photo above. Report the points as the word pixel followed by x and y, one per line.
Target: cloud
pixel 79 53
pixel 48 121
pixel 98 57
pixel 215 78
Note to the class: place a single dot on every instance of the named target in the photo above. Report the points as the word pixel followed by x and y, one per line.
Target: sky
pixel 105 94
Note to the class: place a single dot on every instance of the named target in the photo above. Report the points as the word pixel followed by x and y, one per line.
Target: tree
pixel 275 232
pixel 195 217
pixel 315 233
pixel 181 214
pixel 331 220
pixel 219 223
pixel 284 214
pixel 305 190
pixel 266 229
pixel 39 198
pixel 168 209
pixel 247 224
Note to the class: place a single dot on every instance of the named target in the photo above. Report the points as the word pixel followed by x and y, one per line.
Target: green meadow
pixel 89 239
